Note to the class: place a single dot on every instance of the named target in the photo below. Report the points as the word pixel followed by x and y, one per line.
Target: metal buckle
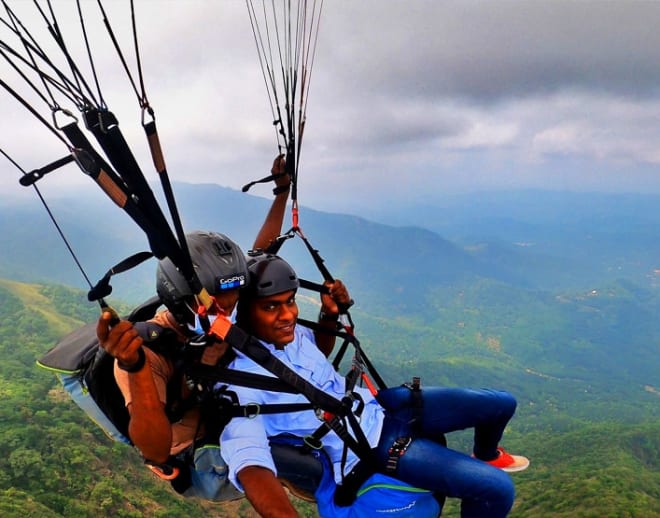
pixel 249 412
pixel 313 442
pixel 400 446
pixel 395 452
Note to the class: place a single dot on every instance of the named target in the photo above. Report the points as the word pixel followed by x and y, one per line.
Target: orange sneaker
pixel 507 462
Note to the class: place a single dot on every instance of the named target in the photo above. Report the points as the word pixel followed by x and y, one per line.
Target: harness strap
pixel 159 163
pixel 114 186
pixel 417 403
pixel 252 410
pixel 105 128
pixel 215 374
pixel 35 175
pixel 319 261
pixel 103 288
pixel 360 356
pixel 130 190
pixel 346 492
pixel 359 444
pixel 257 352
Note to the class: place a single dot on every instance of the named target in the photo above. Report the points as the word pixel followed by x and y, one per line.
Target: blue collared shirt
pixel 245 440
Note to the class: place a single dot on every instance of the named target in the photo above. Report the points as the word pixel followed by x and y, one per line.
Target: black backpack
pixel 86 373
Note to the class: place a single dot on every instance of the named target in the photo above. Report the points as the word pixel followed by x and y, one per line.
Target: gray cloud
pixel 488 51
pixel 452 95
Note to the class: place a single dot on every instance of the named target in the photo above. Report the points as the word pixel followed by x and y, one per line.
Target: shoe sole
pixel 515 469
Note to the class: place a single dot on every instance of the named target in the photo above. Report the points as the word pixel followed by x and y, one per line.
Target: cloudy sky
pixel 408 99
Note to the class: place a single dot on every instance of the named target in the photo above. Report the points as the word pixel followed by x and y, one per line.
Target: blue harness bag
pixel 380 495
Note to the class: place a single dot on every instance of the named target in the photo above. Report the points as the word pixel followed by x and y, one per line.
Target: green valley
pixel 594 440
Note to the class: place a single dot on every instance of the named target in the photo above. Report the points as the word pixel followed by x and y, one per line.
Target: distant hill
pixel 534 240
pixel 439 298
pixel 500 213
pixel 378 260
pixel 551 238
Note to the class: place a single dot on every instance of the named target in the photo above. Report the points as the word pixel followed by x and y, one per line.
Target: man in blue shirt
pixel 268 311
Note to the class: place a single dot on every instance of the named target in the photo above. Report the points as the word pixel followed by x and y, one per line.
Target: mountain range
pixel 530 239
pixel 589 274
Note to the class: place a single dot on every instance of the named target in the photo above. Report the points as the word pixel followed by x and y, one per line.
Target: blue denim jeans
pixel 484 491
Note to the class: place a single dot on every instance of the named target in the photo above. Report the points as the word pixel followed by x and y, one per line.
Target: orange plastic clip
pixel 160 471
pixel 220 327
pixel 294 214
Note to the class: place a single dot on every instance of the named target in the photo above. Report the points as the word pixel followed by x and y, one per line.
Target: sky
pixel 409 101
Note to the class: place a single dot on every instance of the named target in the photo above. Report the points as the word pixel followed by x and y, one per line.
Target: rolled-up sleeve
pixel 244 443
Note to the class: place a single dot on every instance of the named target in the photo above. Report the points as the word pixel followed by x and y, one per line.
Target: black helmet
pixel 270 275
pixel 219 264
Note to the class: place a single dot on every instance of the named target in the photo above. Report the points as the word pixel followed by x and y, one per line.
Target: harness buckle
pixel 251 410
pixel 323 415
pixel 313 442
pixel 415 385
pixel 396 451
